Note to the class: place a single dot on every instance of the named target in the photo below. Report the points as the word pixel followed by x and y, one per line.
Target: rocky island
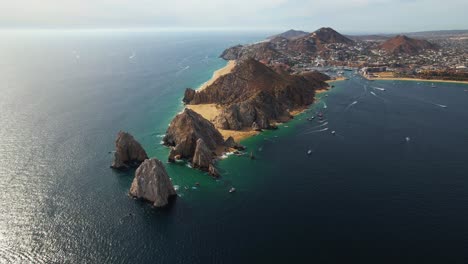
pixel 128 152
pixel 152 183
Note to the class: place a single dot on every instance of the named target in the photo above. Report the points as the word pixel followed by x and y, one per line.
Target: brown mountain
pixel 328 35
pixel 404 45
pixel 290 34
pixel 283 47
pixel 254 96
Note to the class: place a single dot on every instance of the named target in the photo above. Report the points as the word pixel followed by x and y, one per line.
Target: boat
pixel 309 152
pixel 326 95
pixel 407 139
pixel 333 132
pixel 232 190
pixel 433 85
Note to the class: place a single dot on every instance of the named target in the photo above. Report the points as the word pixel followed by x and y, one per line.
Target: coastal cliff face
pixel 128 152
pixel 191 136
pixel 152 183
pixel 253 96
pixel 404 45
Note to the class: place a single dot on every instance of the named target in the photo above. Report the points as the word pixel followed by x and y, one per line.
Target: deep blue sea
pixel 391 186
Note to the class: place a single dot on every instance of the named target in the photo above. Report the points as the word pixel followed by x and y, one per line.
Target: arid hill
pixel 404 45
pixel 280 47
pixel 290 34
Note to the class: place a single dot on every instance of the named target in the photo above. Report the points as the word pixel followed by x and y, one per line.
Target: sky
pixel 348 16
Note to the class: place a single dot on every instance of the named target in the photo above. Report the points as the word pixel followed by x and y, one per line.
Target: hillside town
pixel 428 57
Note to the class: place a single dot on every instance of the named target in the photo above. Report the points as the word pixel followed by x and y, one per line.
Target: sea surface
pixel 391 186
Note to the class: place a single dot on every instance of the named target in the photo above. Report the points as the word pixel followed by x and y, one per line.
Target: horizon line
pixel 206 29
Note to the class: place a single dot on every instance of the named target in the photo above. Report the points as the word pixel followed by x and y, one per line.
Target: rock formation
pixel 128 152
pixel 231 143
pixel 253 96
pixel 193 138
pixel 203 156
pixel 152 183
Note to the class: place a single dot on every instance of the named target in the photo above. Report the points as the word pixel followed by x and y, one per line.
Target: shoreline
pixel 415 80
pixel 210 111
pixel 218 73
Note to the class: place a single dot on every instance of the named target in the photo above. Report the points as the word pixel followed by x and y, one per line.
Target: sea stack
pixel 193 138
pixel 152 183
pixel 128 152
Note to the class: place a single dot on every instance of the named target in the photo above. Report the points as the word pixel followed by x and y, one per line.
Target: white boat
pixel 407 139
pixel 309 152
pixel 333 132
pixel 232 190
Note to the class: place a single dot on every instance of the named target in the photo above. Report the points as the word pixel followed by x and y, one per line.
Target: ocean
pixel 391 186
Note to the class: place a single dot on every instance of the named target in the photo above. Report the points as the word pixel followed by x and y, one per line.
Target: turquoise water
pixel 365 195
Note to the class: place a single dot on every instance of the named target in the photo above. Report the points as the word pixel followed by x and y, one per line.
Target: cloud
pixel 306 14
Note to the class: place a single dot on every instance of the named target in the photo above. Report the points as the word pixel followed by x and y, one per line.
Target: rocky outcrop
pixel 315 77
pixel 184 131
pixel 128 152
pixel 231 143
pixel 188 95
pixel 152 183
pixel 203 156
pixel 232 53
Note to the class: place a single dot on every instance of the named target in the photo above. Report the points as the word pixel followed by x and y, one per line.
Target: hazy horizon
pixel 350 17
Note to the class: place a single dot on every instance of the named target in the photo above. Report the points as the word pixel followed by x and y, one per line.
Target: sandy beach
pixel 413 80
pixel 417 80
pixel 218 73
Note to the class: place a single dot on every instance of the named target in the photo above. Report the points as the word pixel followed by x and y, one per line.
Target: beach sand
pixel 223 71
pixel 387 77
pixel 210 111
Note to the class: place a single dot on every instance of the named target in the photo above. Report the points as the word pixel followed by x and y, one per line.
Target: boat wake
pixel 315 127
pixel 182 70
pixel 378 88
pixel 316 131
pixel 350 105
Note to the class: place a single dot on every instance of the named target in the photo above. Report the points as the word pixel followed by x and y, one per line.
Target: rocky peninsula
pixel 242 101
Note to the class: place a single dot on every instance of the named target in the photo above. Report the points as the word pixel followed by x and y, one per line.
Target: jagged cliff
pixel 152 183
pixel 128 152
pixel 254 96
pixel 190 135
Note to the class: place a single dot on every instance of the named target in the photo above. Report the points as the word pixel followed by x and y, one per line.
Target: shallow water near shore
pixel 365 194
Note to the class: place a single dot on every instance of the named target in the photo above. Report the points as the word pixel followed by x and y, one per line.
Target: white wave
pixel 324 105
